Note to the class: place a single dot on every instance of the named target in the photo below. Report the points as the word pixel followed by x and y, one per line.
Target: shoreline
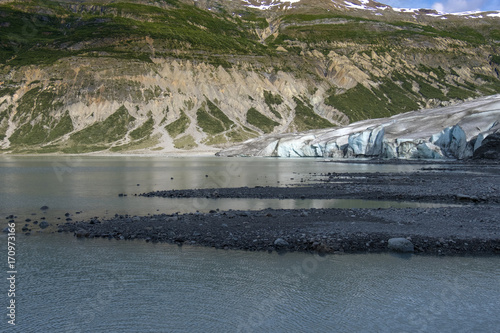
pixel 203 153
pixel 326 231
pixel 469 222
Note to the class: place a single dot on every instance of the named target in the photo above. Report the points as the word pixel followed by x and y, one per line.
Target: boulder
pixel 489 148
pixel 43 224
pixel 400 245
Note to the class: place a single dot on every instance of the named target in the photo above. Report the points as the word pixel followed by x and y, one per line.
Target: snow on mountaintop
pixel 268 4
pixel 370 5
pixel 437 13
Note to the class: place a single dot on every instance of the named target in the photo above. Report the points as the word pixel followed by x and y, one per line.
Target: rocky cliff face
pixel 458 132
pixel 202 75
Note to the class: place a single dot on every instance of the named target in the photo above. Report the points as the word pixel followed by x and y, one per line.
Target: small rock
pixel 280 242
pixel 81 233
pixel 464 197
pixel 400 245
pixel 44 207
pixel 44 224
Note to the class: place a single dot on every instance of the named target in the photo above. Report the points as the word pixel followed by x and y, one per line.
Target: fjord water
pixel 91 185
pixel 95 285
pixel 69 285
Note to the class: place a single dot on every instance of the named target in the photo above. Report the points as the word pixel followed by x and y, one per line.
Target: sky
pixel 448 6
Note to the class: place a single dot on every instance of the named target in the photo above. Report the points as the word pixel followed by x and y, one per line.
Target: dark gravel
pixel 470 224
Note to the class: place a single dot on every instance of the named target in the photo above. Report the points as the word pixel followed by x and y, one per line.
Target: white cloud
pixel 455 6
pixel 438 6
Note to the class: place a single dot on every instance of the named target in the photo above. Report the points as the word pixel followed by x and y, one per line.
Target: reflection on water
pixel 91 184
pixel 96 285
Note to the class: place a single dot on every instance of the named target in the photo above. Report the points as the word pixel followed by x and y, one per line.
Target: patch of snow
pixel 274 3
pixel 468 13
pixel 406 10
pixel 354 6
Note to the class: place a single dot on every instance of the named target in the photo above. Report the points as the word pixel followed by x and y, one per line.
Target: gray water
pixel 71 285
pixel 91 185
pixel 68 285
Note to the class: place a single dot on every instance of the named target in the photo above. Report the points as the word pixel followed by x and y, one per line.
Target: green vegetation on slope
pixel 144 130
pixel 36 103
pixel 214 121
pixel 240 135
pixel 31 38
pixel 217 113
pixel 208 123
pixel 111 129
pixel 258 120
pixel 4 123
pixel 272 100
pixel 178 126
pixel 306 119
pixel 185 142
pixel 64 126
pixel 36 122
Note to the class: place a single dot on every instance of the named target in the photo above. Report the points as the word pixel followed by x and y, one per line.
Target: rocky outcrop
pixel 489 148
pixel 457 132
pixel 165 103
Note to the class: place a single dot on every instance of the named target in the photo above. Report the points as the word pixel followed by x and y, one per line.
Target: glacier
pixel 452 132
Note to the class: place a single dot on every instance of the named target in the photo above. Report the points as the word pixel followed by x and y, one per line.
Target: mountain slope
pixel 81 76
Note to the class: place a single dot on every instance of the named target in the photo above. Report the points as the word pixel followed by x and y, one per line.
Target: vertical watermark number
pixel 11 273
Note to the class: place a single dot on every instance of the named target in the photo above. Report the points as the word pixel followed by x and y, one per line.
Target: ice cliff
pixel 449 132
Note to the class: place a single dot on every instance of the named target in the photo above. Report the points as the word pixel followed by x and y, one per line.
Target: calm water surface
pixel 91 185
pixel 69 285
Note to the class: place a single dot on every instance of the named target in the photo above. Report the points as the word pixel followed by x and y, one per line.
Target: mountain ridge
pixel 197 75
